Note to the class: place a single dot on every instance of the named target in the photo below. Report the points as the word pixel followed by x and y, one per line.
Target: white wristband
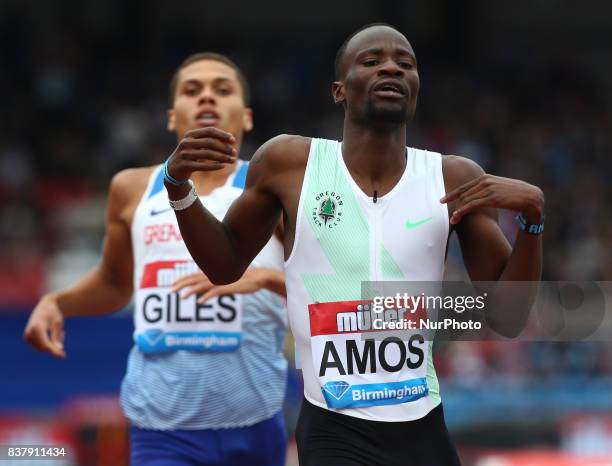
pixel 189 199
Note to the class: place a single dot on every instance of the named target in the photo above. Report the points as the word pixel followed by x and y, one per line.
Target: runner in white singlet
pixel 342 239
pixel 366 208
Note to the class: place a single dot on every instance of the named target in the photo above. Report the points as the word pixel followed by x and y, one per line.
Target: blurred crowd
pixel 78 109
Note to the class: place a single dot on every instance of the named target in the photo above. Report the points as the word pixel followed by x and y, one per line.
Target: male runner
pixel 366 208
pixel 205 379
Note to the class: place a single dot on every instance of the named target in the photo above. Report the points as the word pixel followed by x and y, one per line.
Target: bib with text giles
pixel 165 322
pixel 361 366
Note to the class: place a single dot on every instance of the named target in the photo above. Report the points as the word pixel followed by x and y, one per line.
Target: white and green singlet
pixel 342 239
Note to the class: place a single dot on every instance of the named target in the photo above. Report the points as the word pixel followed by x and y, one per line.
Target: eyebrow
pixel 377 51
pixel 217 80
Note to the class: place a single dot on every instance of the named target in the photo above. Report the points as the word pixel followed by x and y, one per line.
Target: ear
pixel 338 92
pixel 171 120
pixel 247 119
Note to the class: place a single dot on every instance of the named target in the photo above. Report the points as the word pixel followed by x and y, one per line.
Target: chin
pixel 391 114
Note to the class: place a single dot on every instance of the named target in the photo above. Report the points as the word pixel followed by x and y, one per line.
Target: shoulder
pixel 131 182
pixel 278 162
pixel 126 189
pixel 459 170
pixel 284 150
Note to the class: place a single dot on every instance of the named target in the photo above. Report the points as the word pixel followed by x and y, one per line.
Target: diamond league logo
pixel 153 335
pixel 336 389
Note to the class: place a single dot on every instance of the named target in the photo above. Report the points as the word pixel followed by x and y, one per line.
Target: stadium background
pixel 521 87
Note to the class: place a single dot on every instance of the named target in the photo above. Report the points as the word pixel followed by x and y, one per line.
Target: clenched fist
pixel 202 149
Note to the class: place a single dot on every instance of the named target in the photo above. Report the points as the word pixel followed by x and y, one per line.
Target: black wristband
pixel 531 228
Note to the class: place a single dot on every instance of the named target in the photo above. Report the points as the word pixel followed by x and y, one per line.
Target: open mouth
pixel 207 118
pixel 390 89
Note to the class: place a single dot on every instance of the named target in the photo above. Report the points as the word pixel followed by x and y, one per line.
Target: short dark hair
pixel 342 49
pixel 246 93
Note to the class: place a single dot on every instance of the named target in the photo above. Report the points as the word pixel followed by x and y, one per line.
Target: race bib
pixel 165 322
pixel 359 365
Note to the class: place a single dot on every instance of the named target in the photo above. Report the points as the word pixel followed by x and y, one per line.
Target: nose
pixel 390 68
pixel 206 96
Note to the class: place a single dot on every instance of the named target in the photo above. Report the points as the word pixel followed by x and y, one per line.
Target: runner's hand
pixel 498 192
pixel 253 280
pixel 45 328
pixel 202 149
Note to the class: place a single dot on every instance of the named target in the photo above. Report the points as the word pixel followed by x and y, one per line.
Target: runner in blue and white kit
pixel 205 381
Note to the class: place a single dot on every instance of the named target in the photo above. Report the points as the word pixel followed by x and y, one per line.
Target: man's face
pixel 379 79
pixel 209 93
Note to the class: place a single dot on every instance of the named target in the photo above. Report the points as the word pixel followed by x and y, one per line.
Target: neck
pixel 374 155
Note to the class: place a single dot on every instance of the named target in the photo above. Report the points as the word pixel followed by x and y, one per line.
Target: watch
pixel 185 202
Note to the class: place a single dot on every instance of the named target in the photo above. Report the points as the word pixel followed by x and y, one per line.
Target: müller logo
pixel 165 273
pixel 365 318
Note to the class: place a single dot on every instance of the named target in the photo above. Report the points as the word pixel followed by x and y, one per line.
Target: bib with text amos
pixel 361 366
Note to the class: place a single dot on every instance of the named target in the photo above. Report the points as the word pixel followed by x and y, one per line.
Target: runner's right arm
pixel 223 250
pixel 108 286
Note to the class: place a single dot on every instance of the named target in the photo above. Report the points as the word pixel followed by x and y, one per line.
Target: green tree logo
pixel 327 211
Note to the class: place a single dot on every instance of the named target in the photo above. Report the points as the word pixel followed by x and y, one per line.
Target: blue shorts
pixel 262 444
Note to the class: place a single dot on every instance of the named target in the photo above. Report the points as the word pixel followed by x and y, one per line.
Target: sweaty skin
pixel 374 141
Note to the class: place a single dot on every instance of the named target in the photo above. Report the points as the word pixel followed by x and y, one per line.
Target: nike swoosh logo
pixel 410 225
pixel 157 212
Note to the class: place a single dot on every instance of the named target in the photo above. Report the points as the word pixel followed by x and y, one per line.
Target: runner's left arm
pixel 474 197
